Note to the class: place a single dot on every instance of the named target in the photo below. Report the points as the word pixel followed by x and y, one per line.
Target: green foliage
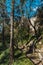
pixel 23 61
pixel 20 58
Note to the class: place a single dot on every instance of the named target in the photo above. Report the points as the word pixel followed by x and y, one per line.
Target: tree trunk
pixel 11 42
pixel 12 35
pixel 3 37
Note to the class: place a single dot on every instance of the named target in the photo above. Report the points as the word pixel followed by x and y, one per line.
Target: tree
pixel 12 35
pixel 3 16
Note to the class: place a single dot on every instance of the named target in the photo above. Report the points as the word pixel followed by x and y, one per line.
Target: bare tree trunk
pixel 3 15
pixel 12 35
pixel 3 36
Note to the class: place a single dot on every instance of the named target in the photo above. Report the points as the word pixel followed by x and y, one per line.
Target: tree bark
pixel 3 40
pixel 12 35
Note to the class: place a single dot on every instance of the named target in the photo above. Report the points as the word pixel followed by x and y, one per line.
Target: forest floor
pixel 20 58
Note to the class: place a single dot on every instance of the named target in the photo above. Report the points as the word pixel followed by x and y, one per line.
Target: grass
pixel 23 61
pixel 18 61
pixel 20 58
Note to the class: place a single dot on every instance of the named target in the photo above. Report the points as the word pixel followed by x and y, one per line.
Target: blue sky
pixel 25 8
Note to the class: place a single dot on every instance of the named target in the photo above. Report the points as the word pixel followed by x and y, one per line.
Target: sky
pixel 25 8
